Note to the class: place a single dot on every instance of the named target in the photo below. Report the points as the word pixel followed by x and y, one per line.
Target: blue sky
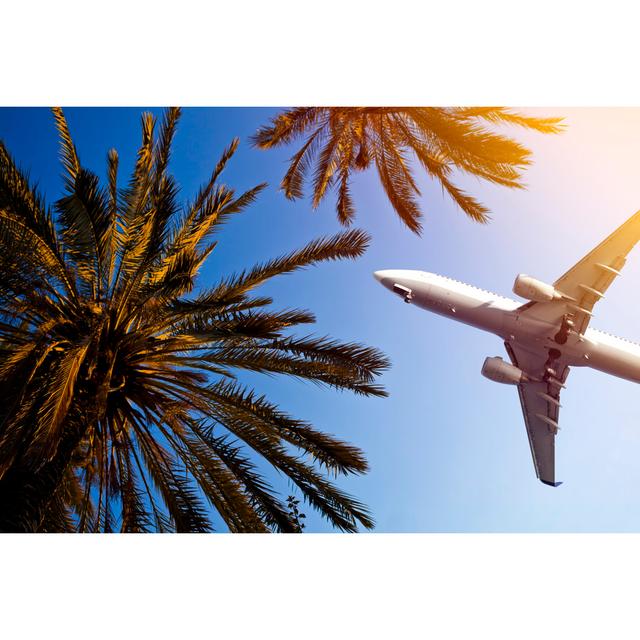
pixel 448 448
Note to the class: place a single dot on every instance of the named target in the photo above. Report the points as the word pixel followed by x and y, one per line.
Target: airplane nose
pixel 386 274
pixel 387 277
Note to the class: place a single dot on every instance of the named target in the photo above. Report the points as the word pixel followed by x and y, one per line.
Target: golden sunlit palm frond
pixel 68 153
pixel 501 114
pixel 120 404
pixel 342 140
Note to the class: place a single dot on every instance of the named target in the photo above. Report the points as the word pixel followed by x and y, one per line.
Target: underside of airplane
pixel 543 338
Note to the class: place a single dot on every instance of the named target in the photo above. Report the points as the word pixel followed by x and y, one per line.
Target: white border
pixel 315 586
pixel 287 52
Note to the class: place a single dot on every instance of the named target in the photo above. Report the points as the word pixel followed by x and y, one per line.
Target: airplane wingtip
pixel 551 484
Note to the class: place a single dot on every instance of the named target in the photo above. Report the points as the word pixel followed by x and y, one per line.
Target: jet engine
pixel 532 289
pixel 498 370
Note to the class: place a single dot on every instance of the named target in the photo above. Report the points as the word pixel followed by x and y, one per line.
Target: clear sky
pixel 448 449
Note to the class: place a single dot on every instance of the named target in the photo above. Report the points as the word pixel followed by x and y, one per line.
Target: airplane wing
pixel 566 318
pixel 540 400
pixel 586 282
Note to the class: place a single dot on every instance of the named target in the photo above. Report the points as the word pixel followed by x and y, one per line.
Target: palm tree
pixel 342 140
pixel 119 402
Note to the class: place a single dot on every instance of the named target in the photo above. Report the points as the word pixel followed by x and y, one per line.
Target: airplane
pixel 543 338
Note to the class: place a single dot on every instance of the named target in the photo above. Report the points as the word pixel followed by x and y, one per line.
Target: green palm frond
pixel 121 407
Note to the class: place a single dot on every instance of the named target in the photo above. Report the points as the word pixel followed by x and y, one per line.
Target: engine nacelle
pixel 498 370
pixel 532 289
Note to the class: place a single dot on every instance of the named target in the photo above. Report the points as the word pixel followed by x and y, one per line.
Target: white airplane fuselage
pixel 498 315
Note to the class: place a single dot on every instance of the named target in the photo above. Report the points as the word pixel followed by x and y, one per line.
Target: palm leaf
pixel 442 139
pixel 68 154
pixel 120 404
pixel 58 399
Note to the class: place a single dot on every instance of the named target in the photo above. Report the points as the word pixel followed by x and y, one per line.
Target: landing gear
pixel 565 329
pixel 550 373
pixel 405 292
pixel 554 354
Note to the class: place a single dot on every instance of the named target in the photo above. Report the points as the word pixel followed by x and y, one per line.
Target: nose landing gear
pixel 404 292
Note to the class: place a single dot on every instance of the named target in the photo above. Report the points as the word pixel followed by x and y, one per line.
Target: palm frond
pixel 500 114
pixel 120 402
pixel 22 204
pixel 58 399
pixel 340 140
pixel 400 191
pixel 68 153
pixel 287 126
pixel 87 227
pixel 293 180
pixel 345 245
